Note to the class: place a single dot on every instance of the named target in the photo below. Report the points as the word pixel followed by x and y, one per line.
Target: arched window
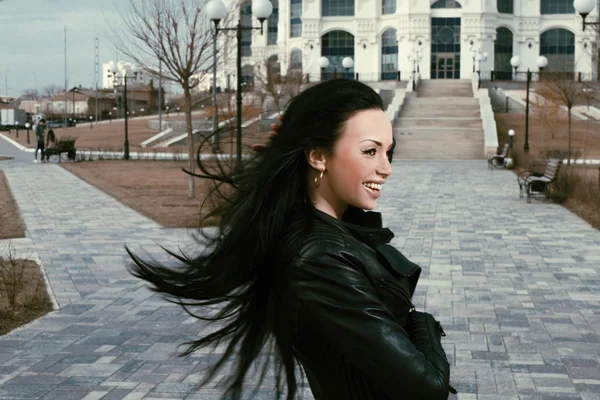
pixel 296 18
pixel 296 60
pixel 446 4
pixel 558 46
pixel 272 23
pixel 505 6
pixel 335 46
pixel 247 75
pixel 557 7
pixel 388 7
pixel 389 55
pixel 273 68
pixel 503 52
pixel 337 8
pixel 246 20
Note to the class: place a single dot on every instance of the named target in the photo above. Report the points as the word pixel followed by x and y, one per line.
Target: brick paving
pixel 515 285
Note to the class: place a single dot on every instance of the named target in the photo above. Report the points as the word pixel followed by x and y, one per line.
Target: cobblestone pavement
pixel 515 285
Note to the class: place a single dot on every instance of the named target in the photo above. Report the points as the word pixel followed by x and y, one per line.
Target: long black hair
pixel 239 266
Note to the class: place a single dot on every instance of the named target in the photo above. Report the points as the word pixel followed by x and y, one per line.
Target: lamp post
pixel 511 134
pixel 541 62
pixel 27 126
pixel 347 63
pixel 110 116
pixel 323 63
pixel 584 8
pixel 216 11
pixel 123 76
pixel 412 57
pixel 91 122
pixel 168 108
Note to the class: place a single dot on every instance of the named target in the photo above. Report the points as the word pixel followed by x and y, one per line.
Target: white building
pixel 448 37
pixel 142 77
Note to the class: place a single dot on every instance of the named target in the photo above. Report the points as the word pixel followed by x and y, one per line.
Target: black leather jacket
pixel 345 294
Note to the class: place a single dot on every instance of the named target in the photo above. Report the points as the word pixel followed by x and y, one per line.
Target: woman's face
pixel 359 165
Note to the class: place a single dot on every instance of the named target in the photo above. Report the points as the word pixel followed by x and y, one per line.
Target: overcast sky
pixel 32 41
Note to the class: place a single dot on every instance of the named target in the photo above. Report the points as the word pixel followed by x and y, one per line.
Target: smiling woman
pixel 301 273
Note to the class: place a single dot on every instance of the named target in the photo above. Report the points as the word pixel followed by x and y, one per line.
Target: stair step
pixel 439 123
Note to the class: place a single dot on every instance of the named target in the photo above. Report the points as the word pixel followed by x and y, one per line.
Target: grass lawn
pixel 156 189
pixel 11 224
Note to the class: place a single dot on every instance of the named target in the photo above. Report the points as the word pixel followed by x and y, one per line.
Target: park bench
pixel 496 160
pixel 533 183
pixel 65 145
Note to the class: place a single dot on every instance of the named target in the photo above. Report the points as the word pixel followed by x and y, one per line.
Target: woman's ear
pixel 317 159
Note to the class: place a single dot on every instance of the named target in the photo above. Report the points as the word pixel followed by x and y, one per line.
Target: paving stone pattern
pixel 515 286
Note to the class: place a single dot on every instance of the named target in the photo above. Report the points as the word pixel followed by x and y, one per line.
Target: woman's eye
pixel 370 152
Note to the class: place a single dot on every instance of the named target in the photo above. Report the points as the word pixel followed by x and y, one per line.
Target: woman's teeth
pixel 373 186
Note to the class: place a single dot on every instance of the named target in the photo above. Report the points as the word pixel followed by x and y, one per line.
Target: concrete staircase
pixel 442 122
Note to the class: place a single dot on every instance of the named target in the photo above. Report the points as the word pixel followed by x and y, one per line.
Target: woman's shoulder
pixel 308 236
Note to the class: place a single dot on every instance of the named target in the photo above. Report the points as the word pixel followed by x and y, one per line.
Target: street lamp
pixel 91 122
pixel 584 8
pixel 323 63
pixel 347 63
pixel 412 57
pixel 168 108
pixel 511 134
pixel 17 128
pixel 515 62
pixel 123 76
pixel 27 126
pixel 418 55
pixel 216 11
pixel 110 116
pixel 542 62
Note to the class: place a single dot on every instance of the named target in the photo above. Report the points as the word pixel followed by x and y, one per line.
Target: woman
pixel 300 271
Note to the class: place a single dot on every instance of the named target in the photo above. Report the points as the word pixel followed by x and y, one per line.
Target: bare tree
pixel 30 94
pixel 51 90
pixel 177 33
pixel 270 82
pixel 563 89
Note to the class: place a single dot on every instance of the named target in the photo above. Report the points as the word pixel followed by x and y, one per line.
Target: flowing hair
pixel 239 268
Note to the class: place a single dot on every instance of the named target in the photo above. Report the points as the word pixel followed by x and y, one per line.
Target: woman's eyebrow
pixel 379 143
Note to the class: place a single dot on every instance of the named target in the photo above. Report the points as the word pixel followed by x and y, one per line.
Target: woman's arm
pixel 328 280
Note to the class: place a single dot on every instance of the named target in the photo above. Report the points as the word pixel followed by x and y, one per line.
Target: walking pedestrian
pixel 39 133
pixel 301 272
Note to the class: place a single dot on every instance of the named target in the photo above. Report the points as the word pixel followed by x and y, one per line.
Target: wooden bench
pixel 496 160
pixel 62 146
pixel 533 183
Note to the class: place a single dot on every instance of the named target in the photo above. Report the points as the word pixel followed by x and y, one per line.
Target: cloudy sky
pixel 32 41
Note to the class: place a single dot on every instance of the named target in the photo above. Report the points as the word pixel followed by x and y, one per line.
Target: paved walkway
pixel 515 285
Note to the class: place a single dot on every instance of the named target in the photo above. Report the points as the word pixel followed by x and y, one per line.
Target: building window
pixel 557 7
pixel 503 51
pixel 389 55
pixel 337 45
pixel 296 60
pixel 246 20
pixel 296 18
pixel 272 23
pixel 558 46
pixel 388 7
pixel 337 8
pixel 445 48
pixel 446 4
pixel 505 6
pixel 247 75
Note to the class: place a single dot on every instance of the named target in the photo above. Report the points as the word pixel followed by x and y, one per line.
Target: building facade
pixel 442 39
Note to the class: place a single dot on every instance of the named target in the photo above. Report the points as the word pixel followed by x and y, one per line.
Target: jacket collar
pixel 366 225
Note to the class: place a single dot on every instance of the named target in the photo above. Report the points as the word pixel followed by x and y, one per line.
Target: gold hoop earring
pixel 318 179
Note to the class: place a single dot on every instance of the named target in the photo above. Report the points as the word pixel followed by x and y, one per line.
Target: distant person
pixel 39 133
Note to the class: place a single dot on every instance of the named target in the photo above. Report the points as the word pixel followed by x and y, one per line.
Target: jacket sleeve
pixel 337 295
